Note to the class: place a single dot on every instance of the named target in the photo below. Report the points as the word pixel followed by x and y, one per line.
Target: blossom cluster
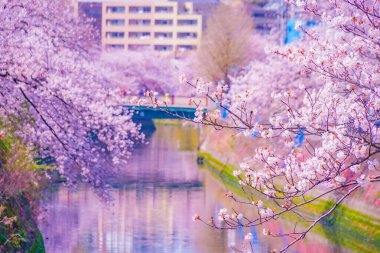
pixel 58 90
pixel 318 106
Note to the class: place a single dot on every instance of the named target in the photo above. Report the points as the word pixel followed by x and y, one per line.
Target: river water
pixel 160 189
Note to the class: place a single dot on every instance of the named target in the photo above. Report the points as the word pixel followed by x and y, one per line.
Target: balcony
pixel 115 35
pixel 163 35
pixel 140 9
pixel 137 47
pixel 115 22
pixel 187 22
pixel 163 22
pixel 139 35
pixel 164 9
pixel 183 48
pixel 187 35
pixel 116 9
pixel 139 22
pixel 114 46
pixel 163 48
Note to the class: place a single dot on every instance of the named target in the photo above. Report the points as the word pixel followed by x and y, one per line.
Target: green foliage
pixel 38 245
pixel 23 235
pixel 26 157
pixel 222 172
pixel 168 122
pixel 21 182
pixel 183 140
pixel 351 229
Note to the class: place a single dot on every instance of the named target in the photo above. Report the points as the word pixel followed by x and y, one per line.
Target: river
pixel 161 188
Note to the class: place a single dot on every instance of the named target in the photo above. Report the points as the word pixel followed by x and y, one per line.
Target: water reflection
pixel 162 188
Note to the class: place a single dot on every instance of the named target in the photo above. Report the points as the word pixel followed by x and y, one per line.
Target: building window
pixel 115 22
pixel 164 9
pixel 139 9
pixel 264 14
pixel 186 47
pixel 116 9
pixel 114 46
pixel 115 35
pixel 164 22
pixel 163 47
pixel 259 15
pixel 186 35
pixel 263 27
pixel 137 47
pixel 139 21
pixel 139 35
pixel 163 35
pixel 187 22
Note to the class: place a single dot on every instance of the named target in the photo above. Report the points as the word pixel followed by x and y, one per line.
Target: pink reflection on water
pixel 140 220
pixel 163 188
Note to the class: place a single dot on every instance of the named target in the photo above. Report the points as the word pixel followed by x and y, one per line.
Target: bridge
pixel 148 112
pixel 175 107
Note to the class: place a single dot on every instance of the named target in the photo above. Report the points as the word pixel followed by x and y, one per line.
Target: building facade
pixel 165 26
pixel 265 19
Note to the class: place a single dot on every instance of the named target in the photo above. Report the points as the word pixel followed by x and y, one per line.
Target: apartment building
pixel 165 26
pixel 265 18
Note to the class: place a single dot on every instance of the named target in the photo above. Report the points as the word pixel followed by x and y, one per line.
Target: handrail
pixel 170 101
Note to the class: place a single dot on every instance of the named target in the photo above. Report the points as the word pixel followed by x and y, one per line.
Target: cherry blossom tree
pixel 57 93
pixel 331 98
pixel 270 75
pixel 145 70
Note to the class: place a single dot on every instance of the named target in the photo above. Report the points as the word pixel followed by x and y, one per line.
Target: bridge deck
pixel 142 113
pixel 175 107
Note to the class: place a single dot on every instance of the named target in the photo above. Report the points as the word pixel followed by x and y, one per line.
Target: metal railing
pixel 166 100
